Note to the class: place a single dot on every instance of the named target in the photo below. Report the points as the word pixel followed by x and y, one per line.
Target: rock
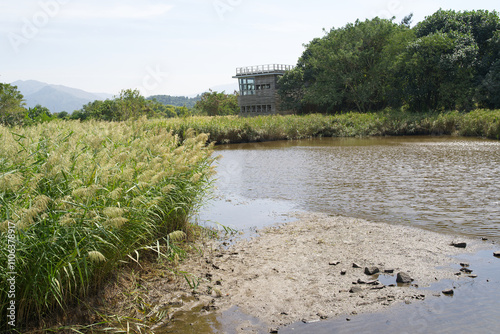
pixel 466 270
pixel 355 289
pixel 448 292
pixel 464 264
pixel 322 315
pixel 273 330
pixel 388 271
pixel 343 272
pixel 360 281
pixel 334 263
pixel 497 254
pixel 373 282
pixel 355 265
pixel 371 270
pixel 484 239
pixel 473 276
pixel 403 278
pixel 459 244
pixel 378 287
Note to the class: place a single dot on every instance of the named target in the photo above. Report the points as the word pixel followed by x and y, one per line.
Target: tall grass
pixel 232 129
pixel 84 195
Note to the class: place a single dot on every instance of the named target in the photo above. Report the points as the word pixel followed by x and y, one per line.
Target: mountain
pixel 56 97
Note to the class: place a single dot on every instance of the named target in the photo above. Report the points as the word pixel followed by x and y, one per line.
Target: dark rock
pixel 334 263
pixel 343 272
pixel 464 264
pixel 371 270
pixel 322 315
pixel 355 265
pixel 458 274
pixel 448 292
pixel 484 239
pixel 388 271
pixel 355 289
pixel 360 281
pixel 466 270
pixel 459 244
pixel 273 330
pixel 403 278
pixel 497 254
pixel 472 276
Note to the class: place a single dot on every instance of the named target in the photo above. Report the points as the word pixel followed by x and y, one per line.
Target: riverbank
pixel 316 268
pixel 233 129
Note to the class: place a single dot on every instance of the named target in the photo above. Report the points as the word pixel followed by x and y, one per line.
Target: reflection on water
pixel 443 184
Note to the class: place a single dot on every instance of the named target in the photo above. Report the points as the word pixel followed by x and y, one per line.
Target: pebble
pixel 371 270
pixel 343 272
pixel 334 263
pixel 273 330
pixel 355 289
pixel 448 292
pixel 464 264
pixel 355 265
pixel 497 254
pixel 466 270
pixel 459 244
pixel 403 278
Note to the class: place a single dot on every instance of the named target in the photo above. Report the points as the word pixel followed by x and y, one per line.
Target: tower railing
pixel 262 69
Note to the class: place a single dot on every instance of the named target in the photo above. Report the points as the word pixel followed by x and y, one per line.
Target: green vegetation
pixel 217 104
pixel 177 101
pixel 129 105
pixel 81 197
pixel 231 129
pixel 449 61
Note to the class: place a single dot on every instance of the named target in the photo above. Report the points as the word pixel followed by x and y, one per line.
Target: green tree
pixel 38 114
pixel 471 57
pixel 218 104
pixel 349 68
pixel 12 111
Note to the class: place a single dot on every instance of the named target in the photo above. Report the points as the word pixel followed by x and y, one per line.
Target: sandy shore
pixel 304 270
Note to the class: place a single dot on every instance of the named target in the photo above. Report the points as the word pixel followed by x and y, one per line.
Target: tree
pixel 38 114
pixel 12 109
pixel 475 51
pixel 349 68
pixel 218 104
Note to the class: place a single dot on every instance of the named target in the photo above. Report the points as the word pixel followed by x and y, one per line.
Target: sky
pixel 175 47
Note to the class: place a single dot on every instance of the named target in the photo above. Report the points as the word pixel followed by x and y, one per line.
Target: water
pixel 444 184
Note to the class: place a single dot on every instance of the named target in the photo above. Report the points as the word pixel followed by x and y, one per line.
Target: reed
pixel 232 129
pixel 82 196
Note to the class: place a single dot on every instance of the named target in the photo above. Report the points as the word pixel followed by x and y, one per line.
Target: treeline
pixel 449 61
pixel 178 101
pixel 129 104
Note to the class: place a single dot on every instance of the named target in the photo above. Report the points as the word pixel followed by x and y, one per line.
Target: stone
pixel 497 254
pixel 473 276
pixel 273 330
pixel 466 270
pixel 355 289
pixel 459 244
pixel 355 265
pixel 388 271
pixel 371 270
pixel 322 315
pixel 343 272
pixel 448 292
pixel 464 264
pixel 334 263
pixel 403 278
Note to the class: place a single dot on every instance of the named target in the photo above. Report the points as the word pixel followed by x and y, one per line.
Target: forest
pixel 449 61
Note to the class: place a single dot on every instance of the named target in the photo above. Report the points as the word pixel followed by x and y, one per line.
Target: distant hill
pixel 177 101
pixel 56 98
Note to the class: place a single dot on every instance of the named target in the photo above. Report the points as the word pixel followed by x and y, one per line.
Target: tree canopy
pixel 451 60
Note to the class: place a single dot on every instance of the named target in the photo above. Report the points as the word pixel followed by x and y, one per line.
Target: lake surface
pixel 445 184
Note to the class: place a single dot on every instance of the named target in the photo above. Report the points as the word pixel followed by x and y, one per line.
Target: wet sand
pixel 294 272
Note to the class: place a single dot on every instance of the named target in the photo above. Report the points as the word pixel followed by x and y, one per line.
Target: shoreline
pixel 303 270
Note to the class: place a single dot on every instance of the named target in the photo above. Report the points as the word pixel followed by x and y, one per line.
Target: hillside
pixel 56 98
